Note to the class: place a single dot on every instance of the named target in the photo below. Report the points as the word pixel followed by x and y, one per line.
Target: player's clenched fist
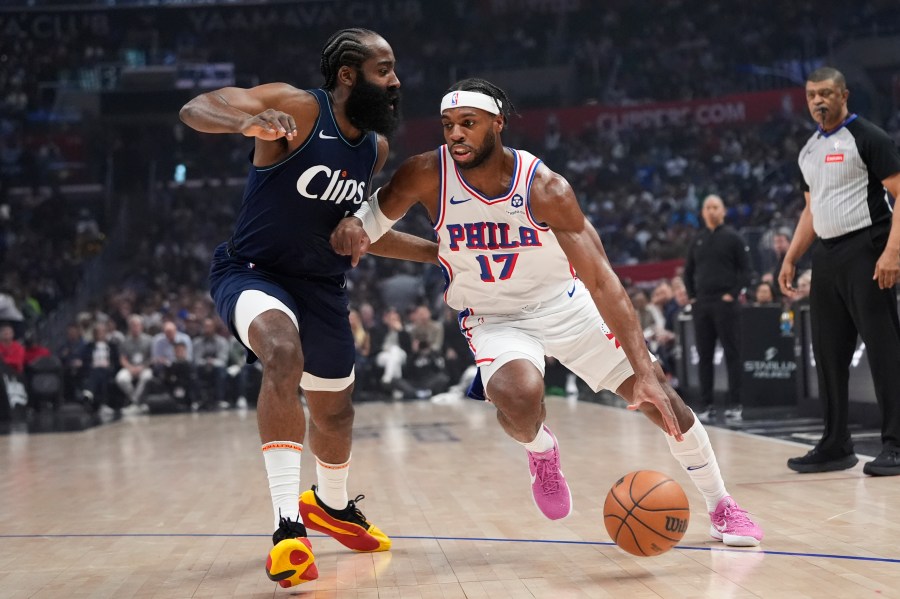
pixel 270 125
pixel 350 239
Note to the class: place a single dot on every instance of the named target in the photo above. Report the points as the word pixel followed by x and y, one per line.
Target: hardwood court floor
pixel 177 506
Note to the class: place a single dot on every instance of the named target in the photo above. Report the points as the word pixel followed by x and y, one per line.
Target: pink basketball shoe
pixel 548 485
pixel 731 525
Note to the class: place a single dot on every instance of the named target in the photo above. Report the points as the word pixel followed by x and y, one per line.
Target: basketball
pixel 646 513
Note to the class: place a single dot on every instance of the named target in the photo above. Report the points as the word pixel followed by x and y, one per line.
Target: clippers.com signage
pixel 726 110
pixel 735 109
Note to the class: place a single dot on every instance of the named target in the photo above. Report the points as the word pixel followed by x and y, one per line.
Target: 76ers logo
pixel 610 336
pixel 338 187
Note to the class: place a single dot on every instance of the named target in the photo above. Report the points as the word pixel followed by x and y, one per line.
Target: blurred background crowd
pixel 110 207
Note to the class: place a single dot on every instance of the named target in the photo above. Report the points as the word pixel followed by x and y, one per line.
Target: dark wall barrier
pixel 768 361
pixel 767 356
pixel 778 371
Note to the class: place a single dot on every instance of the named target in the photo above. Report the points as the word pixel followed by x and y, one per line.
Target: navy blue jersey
pixel 290 208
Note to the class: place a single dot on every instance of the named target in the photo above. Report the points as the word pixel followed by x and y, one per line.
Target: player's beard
pixel 481 154
pixel 373 108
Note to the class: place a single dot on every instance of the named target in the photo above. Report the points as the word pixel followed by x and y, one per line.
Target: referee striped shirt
pixel 842 171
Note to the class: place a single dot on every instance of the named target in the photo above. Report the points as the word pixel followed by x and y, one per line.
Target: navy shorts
pixel 320 305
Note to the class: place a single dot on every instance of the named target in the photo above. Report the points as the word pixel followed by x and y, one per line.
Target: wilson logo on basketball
pixel 834 158
pixel 676 524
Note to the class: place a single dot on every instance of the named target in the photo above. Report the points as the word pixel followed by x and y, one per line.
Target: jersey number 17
pixel 507 260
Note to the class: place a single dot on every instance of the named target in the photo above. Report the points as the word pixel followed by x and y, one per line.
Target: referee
pixel 847 165
pixel 716 272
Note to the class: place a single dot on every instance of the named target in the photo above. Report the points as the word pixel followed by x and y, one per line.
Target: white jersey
pixel 496 257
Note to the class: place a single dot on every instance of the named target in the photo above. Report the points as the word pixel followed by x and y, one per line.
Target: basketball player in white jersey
pixel 511 238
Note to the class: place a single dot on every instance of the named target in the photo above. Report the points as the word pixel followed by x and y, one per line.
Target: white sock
pixel 283 467
pixel 332 487
pixel 697 457
pixel 543 442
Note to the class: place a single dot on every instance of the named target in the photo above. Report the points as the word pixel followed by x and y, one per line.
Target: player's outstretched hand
pixel 270 125
pixel 649 391
pixel 350 239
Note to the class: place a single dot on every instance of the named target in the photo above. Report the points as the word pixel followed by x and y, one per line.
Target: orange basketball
pixel 646 513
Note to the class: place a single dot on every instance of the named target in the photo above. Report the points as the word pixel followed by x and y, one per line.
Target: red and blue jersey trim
pixel 442 198
pixel 532 170
pixel 514 183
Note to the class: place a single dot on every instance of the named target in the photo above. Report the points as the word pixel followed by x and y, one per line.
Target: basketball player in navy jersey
pixel 511 237
pixel 279 285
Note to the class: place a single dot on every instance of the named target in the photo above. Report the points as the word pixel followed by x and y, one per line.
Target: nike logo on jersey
pixel 323 136
pixel 692 468
pixel 455 201
pixel 572 292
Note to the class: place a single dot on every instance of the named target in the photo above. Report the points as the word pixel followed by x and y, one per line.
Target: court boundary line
pixel 887 560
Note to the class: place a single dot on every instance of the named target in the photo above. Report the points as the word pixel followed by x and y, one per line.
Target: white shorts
pixel 568 328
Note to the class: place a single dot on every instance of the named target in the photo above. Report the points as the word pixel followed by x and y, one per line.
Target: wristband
pixel 374 222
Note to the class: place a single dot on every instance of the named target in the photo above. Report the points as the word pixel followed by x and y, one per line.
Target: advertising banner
pixel 768 363
pixel 754 107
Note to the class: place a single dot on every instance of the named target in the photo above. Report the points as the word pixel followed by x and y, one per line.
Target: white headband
pixel 458 99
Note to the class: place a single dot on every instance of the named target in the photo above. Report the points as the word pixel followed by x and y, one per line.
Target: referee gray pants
pixel 844 302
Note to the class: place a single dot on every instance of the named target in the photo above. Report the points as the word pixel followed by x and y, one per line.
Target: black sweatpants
pixel 844 302
pixel 717 319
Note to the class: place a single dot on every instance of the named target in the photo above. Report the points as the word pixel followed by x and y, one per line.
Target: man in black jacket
pixel 716 272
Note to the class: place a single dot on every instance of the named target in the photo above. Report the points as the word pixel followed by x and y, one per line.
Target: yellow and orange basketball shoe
pixel 347 526
pixel 291 560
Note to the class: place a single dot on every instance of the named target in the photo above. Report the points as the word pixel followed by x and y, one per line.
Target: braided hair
pixel 483 86
pixel 343 48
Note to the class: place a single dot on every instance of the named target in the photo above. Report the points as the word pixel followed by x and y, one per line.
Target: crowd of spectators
pixel 629 50
pixel 641 188
pixel 154 333
pixel 620 52
pixel 137 358
pixel 640 191
pixel 45 239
